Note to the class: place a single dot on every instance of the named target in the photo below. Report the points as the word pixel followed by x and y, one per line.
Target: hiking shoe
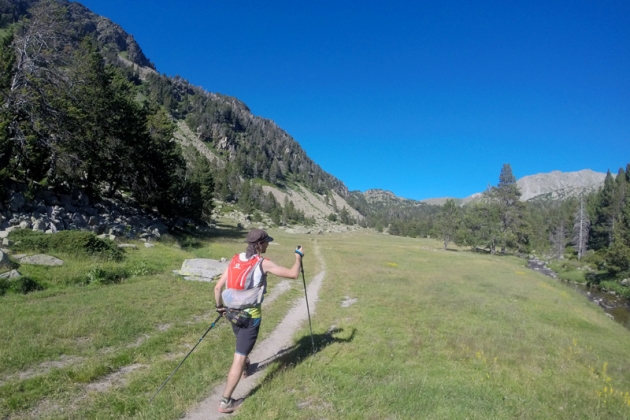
pixel 246 369
pixel 228 405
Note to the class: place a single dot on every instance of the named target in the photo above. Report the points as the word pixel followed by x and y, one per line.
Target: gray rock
pixel 42 259
pixel 78 220
pixel 10 275
pixel 25 224
pixel 7 242
pixel 4 234
pixel 148 245
pixel 131 246
pixel 4 260
pixel 39 225
pixel 202 267
pixel 158 229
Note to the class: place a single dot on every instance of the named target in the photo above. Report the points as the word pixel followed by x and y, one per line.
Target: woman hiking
pixel 245 280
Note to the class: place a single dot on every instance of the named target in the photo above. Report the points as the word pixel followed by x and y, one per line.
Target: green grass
pixel 148 321
pixel 448 335
pixel 569 270
pixel 433 335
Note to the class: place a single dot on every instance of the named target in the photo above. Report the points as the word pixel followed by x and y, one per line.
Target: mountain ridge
pixel 554 185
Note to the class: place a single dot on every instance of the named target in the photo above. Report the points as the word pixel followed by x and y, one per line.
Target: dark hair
pixel 253 248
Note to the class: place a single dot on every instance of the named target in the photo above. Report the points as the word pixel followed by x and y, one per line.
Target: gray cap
pixel 257 235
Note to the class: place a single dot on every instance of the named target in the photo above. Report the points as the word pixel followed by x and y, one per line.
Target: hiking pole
pixel 308 311
pixel 171 375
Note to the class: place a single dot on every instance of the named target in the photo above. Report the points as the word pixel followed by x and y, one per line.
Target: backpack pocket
pixel 241 299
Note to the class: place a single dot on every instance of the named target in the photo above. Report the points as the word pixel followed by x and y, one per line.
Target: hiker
pixel 245 280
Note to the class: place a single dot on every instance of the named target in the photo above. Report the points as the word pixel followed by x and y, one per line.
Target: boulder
pixel 25 224
pixel 131 246
pixel 158 229
pixel 4 260
pixel 42 259
pixel 39 225
pixel 205 268
pixel 148 245
pixel 10 274
pixel 4 234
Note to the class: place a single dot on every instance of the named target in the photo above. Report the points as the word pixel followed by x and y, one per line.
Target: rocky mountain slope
pixel 555 185
pixel 559 185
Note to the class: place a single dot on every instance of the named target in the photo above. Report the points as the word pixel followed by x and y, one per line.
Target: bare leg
pixel 234 375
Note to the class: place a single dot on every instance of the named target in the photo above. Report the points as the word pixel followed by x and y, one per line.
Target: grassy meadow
pixel 431 334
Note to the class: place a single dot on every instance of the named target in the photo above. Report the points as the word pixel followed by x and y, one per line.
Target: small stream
pixel 617 307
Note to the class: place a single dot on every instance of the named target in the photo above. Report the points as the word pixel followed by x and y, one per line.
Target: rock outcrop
pixel 50 213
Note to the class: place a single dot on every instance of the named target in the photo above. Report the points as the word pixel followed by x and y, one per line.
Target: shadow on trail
pixel 292 356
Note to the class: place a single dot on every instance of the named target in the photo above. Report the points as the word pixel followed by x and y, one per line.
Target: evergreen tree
pixel 448 222
pixel 604 214
pixel 7 69
pixel 201 173
pixel 506 195
pixel 482 223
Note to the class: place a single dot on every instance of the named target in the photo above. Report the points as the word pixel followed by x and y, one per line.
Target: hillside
pixel 242 150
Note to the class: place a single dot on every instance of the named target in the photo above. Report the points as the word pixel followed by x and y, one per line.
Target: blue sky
pixel 425 99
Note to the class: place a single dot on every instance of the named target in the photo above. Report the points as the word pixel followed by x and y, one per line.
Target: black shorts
pixel 246 336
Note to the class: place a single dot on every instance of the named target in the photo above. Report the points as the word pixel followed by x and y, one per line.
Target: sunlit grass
pixel 439 334
pixel 429 334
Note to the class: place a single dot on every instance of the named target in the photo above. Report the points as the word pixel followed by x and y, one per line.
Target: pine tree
pixel 448 222
pixel 482 223
pixel 601 235
pixel 506 196
pixel 7 69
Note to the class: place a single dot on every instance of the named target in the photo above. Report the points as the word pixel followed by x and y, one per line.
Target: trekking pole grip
pixel 297 251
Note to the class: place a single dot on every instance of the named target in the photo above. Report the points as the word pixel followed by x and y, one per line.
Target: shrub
pixel 69 242
pixel 616 287
pixel 97 275
pixel 140 269
pixel 25 285
pixel 28 240
pixel 5 284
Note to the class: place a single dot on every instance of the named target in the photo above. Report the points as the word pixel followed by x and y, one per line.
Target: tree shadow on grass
pixel 290 357
pixel 190 239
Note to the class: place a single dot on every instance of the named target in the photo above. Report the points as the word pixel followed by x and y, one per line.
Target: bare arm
pixel 289 273
pixel 218 288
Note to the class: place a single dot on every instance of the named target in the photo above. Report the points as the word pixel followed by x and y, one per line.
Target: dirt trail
pixel 265 351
